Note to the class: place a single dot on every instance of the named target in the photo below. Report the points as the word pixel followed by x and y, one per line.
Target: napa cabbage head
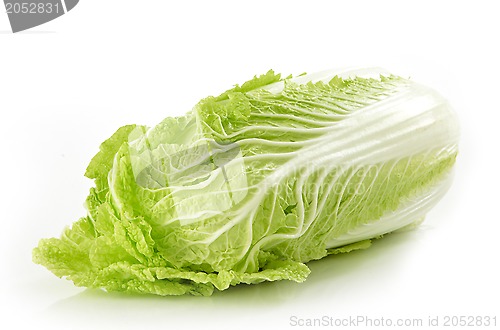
pixel 252 184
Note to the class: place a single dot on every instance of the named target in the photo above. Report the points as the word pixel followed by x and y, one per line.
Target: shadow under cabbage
pixel 326 275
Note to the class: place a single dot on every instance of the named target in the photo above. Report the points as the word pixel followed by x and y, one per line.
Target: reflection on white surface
pixel 340 278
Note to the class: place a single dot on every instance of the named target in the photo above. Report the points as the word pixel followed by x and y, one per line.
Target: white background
pixel 67 85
